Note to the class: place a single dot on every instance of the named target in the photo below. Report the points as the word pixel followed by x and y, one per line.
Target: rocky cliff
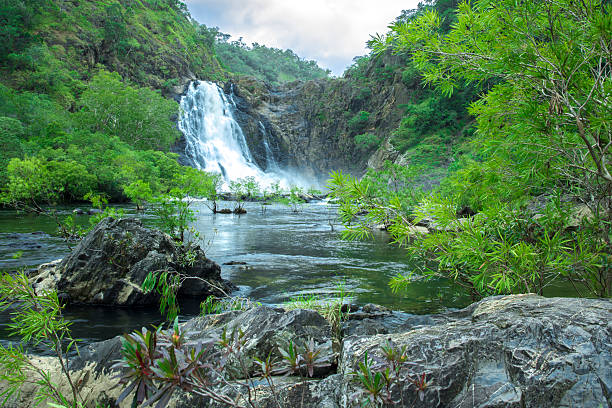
pixel 312 125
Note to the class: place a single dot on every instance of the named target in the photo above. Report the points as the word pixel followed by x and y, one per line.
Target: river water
pixel 285 254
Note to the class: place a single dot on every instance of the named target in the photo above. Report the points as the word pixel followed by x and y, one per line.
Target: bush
pixel 359 122
pixel 367 141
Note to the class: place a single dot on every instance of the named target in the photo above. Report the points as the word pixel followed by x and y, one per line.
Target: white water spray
pixel 215 142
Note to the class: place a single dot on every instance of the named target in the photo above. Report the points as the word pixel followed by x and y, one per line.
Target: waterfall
pixel 271 165
pixel 215 142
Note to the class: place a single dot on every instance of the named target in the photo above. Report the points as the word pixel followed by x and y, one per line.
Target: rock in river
pixel 110 264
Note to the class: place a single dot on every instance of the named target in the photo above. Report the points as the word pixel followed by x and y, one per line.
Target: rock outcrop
pixel 505 351
pixel 110 264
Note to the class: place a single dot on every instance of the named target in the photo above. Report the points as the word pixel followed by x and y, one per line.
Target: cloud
pixel 331 32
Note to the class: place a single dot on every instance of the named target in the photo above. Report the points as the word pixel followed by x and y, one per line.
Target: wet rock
pixel 224 211
pixel 505 351
pixel 372 308
pixel 110 264
pixel 349 308
pixel 78 211
pixel 267 329
pixel 235 263
pixel 94 211
pixel 579 214
pixel 523 351
pixel 239 210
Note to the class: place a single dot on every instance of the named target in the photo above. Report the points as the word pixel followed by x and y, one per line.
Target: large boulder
pixel 110 264
pixel 268 329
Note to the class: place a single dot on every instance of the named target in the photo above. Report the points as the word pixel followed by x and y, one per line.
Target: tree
pixel 174 208
pixel 548 66
pixel 11 131
pixel 138 116
pixel 28 184
pixel 543 129
pixel 139 192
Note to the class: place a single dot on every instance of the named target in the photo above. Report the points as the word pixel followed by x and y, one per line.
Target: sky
pixel 331 32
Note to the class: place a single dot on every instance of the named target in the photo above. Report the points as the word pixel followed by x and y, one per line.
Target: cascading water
pixel 214 141
pixel 271 165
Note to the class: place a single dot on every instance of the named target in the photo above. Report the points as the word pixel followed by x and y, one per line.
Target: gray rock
pixel 505 351
pixel 110 264
pixel 267 329
pixel 523 351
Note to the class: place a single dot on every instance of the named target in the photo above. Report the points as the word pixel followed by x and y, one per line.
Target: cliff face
pixel 312 125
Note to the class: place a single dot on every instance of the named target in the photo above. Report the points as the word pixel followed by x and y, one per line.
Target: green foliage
pixel 28 183
pixel 359 122
pixel 166 284
pixel 550 101
pixel 367 141
pixel 380 379
pixel 334 309
pixel 138 116
pixel 33 182
pixel 36 319
pixel 272 65
pixel 435 120
pixel 294 198
pixel 386 197
pixel 74 89
pixel 214 305
pixel 11 133
pixel 157 363
pixel 139 192
pixel 174 210
pixel 505 250
pixel 251 186
pixel 542 131
pixel 244 188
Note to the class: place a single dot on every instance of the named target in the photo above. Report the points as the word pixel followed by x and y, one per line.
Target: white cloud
pixel 331 32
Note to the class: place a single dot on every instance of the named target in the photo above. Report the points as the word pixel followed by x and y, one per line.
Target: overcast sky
pixel 331 32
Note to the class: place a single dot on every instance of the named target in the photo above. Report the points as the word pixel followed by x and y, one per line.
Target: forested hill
pixel 272 65
pixel 49 46
pixel 81 84
pixel 85 87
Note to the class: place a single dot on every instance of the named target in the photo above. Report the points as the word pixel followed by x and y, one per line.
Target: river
pixel 279 254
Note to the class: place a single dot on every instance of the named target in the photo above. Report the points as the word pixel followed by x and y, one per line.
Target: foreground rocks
pixel 110 264
pixel 510 351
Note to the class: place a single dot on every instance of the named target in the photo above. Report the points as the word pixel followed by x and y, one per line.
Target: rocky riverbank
pixel 505 351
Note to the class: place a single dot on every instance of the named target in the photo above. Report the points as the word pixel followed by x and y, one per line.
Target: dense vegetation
pixel 81 106
pixel 519 106
pixel 268 64
pixel 538 171
pixel 80 102
pixel 433 127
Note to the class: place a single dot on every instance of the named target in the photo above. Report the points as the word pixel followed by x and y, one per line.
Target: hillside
pixel 272 65
pixel 379 111
pixel 81 85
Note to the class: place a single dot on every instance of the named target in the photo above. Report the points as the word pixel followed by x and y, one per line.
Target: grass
pixel 330 309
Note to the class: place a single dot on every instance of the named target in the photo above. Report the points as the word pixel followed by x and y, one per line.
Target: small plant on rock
pixel 380 379
pixel 157 363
